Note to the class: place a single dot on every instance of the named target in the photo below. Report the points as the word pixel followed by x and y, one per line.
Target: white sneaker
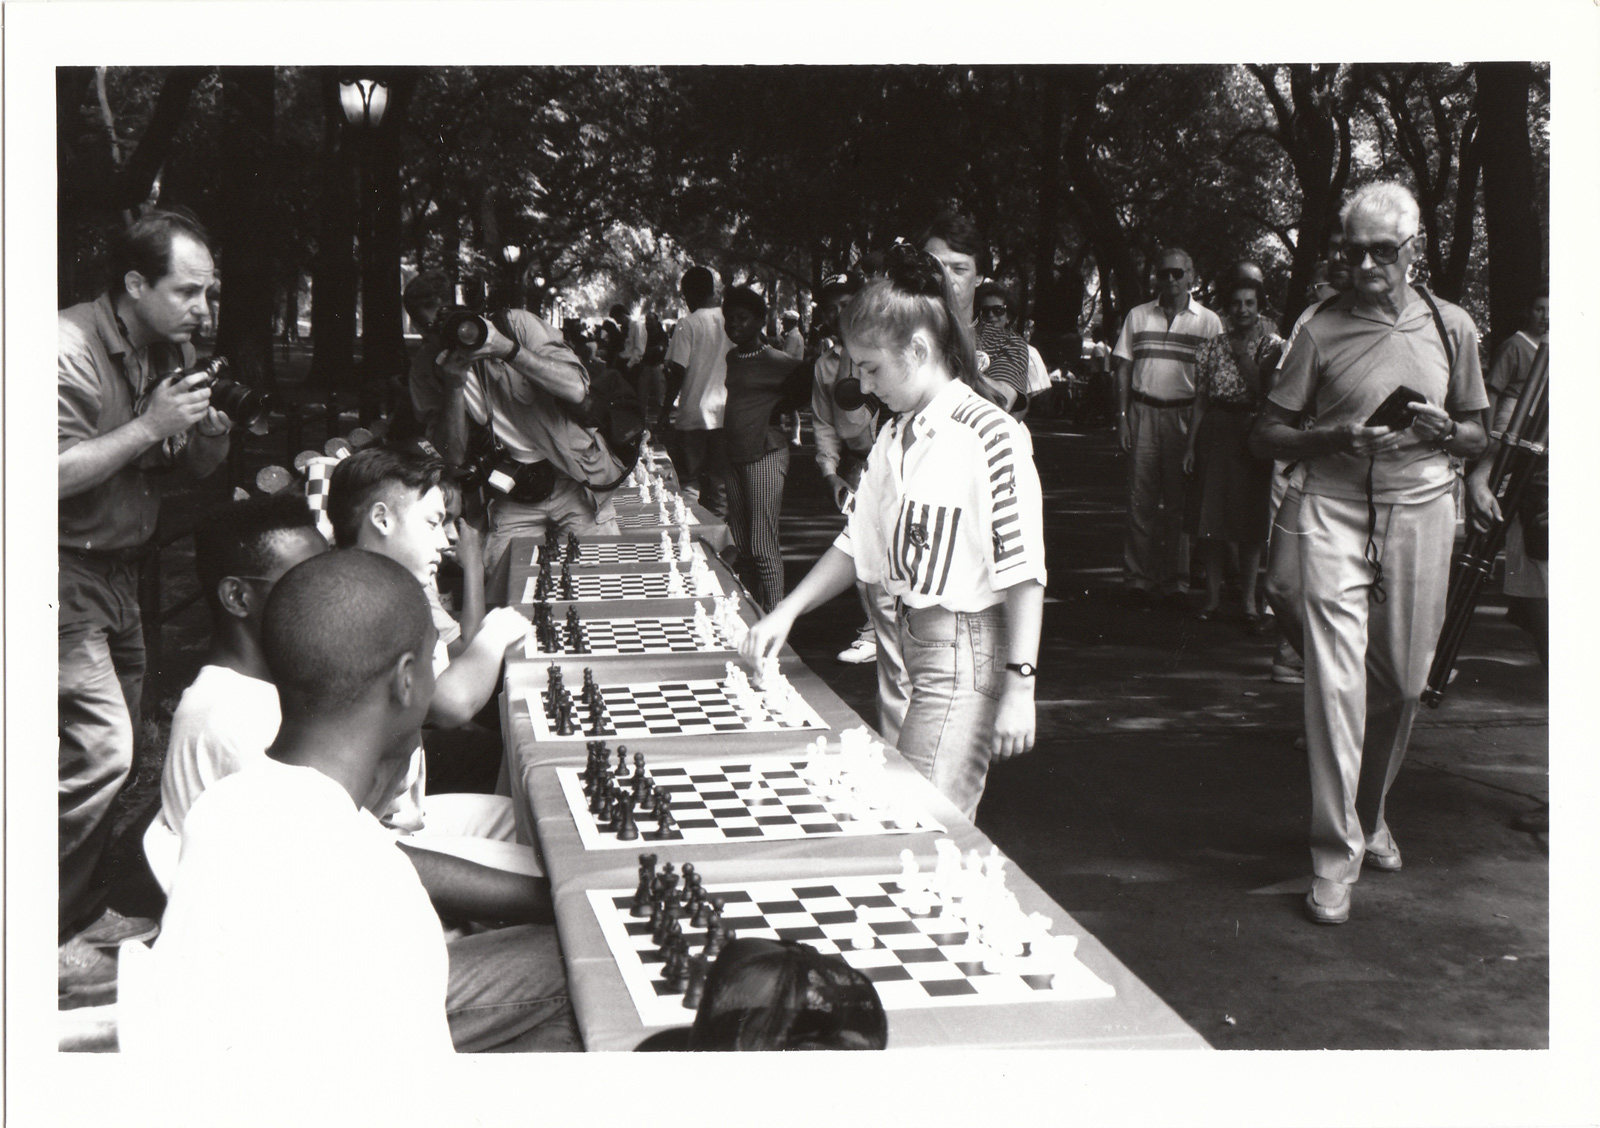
pixel 861 650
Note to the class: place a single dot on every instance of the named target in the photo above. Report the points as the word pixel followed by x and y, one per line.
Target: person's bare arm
pixel 463 890
pixel 833 575
pixel 1015 722
pixel 467 684
pixel 1124 376
pixel 1276 436
pixel 469 554
pixel 1202 400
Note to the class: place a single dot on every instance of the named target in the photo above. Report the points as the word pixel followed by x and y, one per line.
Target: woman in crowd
pixel 1230 489
pixel 763 383
pixel 948 519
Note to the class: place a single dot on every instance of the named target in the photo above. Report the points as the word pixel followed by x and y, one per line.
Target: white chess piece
pixel 685 545
pixel 666 547
pixel 674 580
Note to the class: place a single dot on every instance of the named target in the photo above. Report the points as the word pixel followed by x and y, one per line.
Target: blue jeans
pixel 99 678
pixel 956 662
pixel 508 993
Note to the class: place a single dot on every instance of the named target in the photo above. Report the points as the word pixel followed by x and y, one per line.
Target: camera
pixel 461 328
pixel 242 403
pixel 496 474
pixel 848 395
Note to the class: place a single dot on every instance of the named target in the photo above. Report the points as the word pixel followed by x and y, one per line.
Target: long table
pixel 607 1018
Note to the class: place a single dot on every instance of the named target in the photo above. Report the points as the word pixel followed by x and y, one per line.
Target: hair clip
pixel 914 270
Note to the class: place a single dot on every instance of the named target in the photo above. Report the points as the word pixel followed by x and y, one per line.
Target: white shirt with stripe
pixel 1163 354
pixel 949 512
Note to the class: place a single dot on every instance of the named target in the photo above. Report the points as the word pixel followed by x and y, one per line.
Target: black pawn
pixel 697 982
pixel 641 895
pixel 638 766
pixel 622 761
pixel 564 727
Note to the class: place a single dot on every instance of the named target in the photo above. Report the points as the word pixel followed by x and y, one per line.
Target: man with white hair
pixel 1377 523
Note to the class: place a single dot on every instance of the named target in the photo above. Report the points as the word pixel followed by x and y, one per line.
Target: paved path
pixel 1166 807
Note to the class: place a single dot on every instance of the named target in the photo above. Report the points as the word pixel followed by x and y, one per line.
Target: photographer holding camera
pixel 127 407
pixel 550 465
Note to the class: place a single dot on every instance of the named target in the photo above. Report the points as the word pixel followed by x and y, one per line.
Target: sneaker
pixel 860 651
pixel 113 928
pixel 1288 675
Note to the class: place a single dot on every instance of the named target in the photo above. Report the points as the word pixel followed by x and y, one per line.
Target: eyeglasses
pixel 1384 254
pixel 992 311
pixel 1171 273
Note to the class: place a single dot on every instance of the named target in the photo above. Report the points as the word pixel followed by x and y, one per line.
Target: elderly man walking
pixel 1154 362
pixel 1377 523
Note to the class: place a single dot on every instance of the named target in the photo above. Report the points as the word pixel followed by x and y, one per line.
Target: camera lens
pixel 847 393
pixel 242 404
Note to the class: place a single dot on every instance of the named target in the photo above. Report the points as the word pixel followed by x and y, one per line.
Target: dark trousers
pixel 701 457
pixel 100 676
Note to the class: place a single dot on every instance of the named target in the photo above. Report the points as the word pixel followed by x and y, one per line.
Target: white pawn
pixel 685 544
pixel 674 580
pixel 666 547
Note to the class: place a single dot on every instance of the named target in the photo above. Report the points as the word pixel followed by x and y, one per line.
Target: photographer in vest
pixel 546 464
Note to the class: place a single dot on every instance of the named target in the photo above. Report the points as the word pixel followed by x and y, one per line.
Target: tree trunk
pixel 132 185
pixel 1515 242
pixel 72 85
pixel 244 334
pixel 333 277
pixel 383 350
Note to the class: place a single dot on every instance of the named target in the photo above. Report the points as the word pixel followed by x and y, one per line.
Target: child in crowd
pixel 762 384
pixel 948 518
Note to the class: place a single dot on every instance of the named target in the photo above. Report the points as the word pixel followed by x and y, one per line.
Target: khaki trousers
pixel 1366 662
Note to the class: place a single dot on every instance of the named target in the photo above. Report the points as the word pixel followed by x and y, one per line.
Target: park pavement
pixel 1166 808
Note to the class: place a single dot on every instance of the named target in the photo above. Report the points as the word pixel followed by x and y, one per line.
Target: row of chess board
pixel 925 941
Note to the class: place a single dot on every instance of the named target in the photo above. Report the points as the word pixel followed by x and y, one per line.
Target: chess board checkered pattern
pixel 763 799
pixel 648 517
pixel 622 552
pixel 916 960
pixel 591 586
pixel 604 637
pixel 685 708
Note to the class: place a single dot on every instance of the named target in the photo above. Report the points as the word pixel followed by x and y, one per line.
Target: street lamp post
pixel 364 100
pixel 512 254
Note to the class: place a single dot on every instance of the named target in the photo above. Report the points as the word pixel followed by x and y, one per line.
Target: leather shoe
pixel 113 928
pixel 1328 902
pixel 1386 860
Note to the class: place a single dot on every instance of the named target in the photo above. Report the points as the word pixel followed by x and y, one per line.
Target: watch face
pixel 1026 669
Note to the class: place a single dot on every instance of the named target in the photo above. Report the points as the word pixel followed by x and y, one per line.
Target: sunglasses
pixel 992 311
pixel 1171 273
pixel 1384 254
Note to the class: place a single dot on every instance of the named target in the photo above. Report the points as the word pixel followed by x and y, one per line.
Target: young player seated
pixel 781 995
pixel 296 923
pixel 391 502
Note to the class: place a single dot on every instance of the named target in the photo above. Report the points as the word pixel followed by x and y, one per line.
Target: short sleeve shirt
pixel 700 345
pixel 100 381
pixel 1163 355
pixel 1003 357
pixel 949 512
pixel 836 430
pixel 1348 359
pixel 1509 372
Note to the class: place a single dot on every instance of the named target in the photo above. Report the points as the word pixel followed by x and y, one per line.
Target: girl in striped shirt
pixel 948 518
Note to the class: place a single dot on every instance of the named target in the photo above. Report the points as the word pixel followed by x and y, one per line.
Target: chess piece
pixel 566 584
pixel 638 764
pixel 572 546
pixel 627 829
pixel 642 895
pixel 666 825
pixel 697 982
pixel 564 725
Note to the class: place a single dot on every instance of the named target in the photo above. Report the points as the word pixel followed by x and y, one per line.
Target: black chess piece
pixel 622 761
pixel 564 725
pixel 638 766
pixel 641 895
pixel 666 825
pixel 627 829
pixel 696 987
pixel 572 546
pixel 717 938
pixel 668 920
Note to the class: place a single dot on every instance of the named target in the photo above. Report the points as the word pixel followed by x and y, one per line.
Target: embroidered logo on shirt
pixel 919 534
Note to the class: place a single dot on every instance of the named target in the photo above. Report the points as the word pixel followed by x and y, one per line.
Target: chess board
pixel 916 960
pixel 590 586
pixel 649 517
pixel 684 708
pixel 620 552
pixel 758 799
pixel 609 637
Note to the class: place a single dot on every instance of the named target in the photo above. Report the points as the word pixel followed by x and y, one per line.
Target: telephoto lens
pixel 847 393
pixel 240 402
pixel 460 328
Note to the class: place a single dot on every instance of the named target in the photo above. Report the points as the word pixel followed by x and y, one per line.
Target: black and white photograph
pixel 1016 538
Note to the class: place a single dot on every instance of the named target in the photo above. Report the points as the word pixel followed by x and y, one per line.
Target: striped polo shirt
pixel 949 512
pixel 1163 355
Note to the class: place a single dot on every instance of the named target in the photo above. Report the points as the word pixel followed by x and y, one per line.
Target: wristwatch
pixel 1025 669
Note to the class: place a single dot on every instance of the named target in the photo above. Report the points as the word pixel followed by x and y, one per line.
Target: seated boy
pixel 390 502
pixel 322 941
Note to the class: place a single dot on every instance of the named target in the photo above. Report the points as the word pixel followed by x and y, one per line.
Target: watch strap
pixel 1026 669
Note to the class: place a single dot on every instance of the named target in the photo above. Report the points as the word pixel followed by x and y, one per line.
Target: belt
pixel 1151 401
pixel 104 557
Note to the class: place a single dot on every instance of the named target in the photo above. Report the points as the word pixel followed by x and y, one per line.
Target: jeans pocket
pixel 929 626
pixel 986 636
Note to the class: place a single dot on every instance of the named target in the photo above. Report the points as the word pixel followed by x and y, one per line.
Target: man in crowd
pixel 1154 364
pixel 1377 523
pixel 845 432
pixel 531 395
pixel 794 342
pixel 696 373
pixel 295 921
pixel 424 296
pixel 1002 357
pixel 1527 550
pixel 121 417
pixel 634 337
